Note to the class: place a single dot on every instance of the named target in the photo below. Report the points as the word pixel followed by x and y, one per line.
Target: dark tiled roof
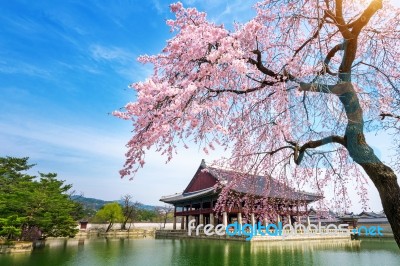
pixel 184 196
pixel 249 184
pixel 259 185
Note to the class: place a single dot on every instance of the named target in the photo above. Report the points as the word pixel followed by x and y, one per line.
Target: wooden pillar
pixel 225 218
pixel 239 217
pixel 174 226
pixel 212 218
pixel 253 220
pixel 201 219
pixel 183 222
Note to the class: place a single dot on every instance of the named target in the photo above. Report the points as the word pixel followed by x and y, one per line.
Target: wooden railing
pixel 194 212
pixel 233 210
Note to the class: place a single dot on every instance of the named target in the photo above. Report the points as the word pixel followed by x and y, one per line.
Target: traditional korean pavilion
pixel 200 196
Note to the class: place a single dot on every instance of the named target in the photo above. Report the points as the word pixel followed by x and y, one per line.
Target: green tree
pixel 42 203
pixel 110 213
pixel 52 210
pixel 147 215
pixel 165 213
pixel 130 210
pixel 11 226
pixel 16 187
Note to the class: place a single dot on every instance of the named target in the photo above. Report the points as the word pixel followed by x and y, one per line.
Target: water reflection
pixel 329 252
pixel 297 252
pixel 103 251
pixel 303 246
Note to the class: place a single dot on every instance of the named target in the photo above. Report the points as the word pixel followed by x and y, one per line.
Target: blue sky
pixel 65 65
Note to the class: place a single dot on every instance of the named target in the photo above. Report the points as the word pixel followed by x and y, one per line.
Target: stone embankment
pixel 16 247
pixel 134 230
pixel 132 233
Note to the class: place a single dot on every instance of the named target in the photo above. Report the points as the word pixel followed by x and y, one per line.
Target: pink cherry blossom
pixel 288 94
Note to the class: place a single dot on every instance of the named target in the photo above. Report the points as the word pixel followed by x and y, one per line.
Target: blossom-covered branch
pixel 303 73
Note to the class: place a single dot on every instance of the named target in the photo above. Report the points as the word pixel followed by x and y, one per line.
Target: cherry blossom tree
pixel 289 94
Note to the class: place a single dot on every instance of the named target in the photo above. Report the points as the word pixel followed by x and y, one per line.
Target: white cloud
pixel 76 139
pixel 135 72
pixel 112 53
pixel 13 67
pixel 122 61
pixel 161 8
pixel 224 11
pixel 90 158
pixel 235 11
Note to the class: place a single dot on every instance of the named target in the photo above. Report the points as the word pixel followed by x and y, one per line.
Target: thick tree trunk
pixel 382 176
pixel 385 181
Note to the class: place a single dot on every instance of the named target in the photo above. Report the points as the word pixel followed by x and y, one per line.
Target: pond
pixel 148 251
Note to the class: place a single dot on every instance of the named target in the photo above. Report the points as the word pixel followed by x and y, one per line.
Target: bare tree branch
pixel 315 144
pixel 384 115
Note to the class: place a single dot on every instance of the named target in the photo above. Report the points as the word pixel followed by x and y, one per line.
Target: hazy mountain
pixel 96 204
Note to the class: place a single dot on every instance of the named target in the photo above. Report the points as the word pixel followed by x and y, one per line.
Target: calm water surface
pixel 99 251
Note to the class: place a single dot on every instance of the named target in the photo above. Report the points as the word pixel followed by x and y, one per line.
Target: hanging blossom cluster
pixel 241 90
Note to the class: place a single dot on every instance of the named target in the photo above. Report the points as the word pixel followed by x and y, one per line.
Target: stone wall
pixel 16 247
pixel 131 226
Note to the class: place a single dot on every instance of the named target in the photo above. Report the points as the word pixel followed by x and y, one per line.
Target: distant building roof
pixel 363 217
pixel 326 214
pixel 372 215
pixel 373 220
